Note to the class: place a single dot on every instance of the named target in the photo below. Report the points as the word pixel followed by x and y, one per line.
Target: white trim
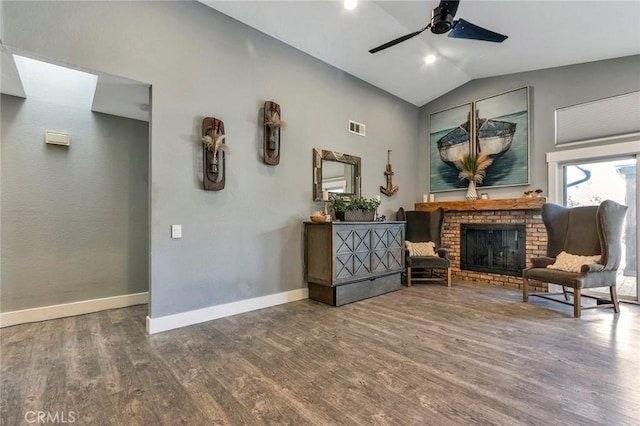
pixel 183 319
pixel 603 139
pixel 623 148
pixel 71 309
pixel 554 183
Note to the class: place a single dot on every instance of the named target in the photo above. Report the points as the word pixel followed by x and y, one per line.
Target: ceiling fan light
pixel 441 20
pixel 350 4
pixel 441 25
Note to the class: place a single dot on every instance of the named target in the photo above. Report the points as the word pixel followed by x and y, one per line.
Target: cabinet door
pixel 388 248
pixel 352 248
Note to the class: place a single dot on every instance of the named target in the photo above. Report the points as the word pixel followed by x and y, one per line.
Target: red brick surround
pixel 536 239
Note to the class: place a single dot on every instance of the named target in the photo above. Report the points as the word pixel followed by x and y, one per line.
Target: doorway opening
pixel 75 215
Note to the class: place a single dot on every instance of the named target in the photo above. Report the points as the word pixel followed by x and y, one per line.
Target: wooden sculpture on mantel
pixel 272 128
pixel 214 152
pixel 389 190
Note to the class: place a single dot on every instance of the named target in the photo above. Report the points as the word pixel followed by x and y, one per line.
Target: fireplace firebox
pixel 494 248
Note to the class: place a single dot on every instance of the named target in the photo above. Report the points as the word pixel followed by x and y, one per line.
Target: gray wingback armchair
pixel 423 226
pixel 591 230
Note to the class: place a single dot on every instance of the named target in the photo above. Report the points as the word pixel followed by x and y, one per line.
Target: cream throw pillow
pixel 421 249
pixel 572 262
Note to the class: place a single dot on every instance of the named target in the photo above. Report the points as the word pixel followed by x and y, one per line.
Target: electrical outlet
pixel 176 231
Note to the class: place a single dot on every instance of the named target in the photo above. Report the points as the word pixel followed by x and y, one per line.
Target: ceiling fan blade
pixel 465 29
pixel 397 41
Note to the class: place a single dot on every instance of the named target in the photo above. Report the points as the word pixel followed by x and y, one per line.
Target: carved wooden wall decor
pixel 214 152
pixel 273 126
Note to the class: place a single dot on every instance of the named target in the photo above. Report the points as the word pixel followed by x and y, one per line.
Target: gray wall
pixel 74 219
pixel 244 241
pixel 549 89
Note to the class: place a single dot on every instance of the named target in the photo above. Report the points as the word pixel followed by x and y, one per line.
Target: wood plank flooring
pixel 425 355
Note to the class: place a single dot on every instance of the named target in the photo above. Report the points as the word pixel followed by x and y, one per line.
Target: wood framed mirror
pixel 336 173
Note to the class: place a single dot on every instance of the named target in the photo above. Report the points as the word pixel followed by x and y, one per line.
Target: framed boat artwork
pixel 501 129
pixel 449 138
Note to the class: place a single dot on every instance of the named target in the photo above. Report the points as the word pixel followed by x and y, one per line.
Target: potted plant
pixel 473 167
pixel 361 210
pixel 337 205
pixel 355 210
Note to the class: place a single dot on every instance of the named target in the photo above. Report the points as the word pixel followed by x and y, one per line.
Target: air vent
pixel 57 138
pixel 357 128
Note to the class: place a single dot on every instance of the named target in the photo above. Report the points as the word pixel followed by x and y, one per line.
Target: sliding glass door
pixel 588 183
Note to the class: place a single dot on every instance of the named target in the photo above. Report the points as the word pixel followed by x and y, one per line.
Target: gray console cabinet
pixel 350 261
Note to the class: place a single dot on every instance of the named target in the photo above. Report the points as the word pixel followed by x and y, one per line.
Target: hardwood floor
pixel 419 356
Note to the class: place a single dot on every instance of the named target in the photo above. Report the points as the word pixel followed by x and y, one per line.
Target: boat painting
pixel 501 124
pixel 494 138
pixel 454 144
pixel 510 167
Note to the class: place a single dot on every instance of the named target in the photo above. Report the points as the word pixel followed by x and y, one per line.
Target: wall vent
pixel 357 128
pixel 57 138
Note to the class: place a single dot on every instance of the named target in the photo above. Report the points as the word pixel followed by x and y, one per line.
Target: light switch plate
pixel 176 231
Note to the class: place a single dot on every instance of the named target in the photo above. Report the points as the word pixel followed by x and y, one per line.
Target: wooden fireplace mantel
pixel 525 203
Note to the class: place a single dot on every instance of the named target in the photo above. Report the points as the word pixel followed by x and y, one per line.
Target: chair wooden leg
pixel 408 276
pixel 576 302
pixel 525 290
pixel 614 298
pixel 448 277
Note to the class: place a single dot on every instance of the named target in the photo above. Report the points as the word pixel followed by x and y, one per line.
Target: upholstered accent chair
pixel 586 231
pixel 423 226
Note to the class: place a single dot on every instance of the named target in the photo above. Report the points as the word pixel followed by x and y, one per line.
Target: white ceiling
pixel 542 34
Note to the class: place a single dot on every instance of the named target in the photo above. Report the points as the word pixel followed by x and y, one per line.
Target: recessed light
pixel 350 4
pixel 430 59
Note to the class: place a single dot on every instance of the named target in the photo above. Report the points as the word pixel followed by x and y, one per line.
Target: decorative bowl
pixel 319 218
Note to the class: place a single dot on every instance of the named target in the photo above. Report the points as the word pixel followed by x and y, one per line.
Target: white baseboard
pixel 71 309
pixel 183 319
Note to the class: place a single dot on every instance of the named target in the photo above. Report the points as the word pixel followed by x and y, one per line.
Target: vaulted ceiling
pixel 542 34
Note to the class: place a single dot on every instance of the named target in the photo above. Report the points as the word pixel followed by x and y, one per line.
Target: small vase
pixel 471 191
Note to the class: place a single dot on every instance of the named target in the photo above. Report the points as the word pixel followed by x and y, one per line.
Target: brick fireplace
pixel 524 211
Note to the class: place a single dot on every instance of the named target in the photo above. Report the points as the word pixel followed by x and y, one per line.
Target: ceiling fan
pixel 442 22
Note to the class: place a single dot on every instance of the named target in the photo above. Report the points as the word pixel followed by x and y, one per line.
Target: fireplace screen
pixel 495 248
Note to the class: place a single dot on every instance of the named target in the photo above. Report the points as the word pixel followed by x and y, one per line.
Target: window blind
pixel 604 118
